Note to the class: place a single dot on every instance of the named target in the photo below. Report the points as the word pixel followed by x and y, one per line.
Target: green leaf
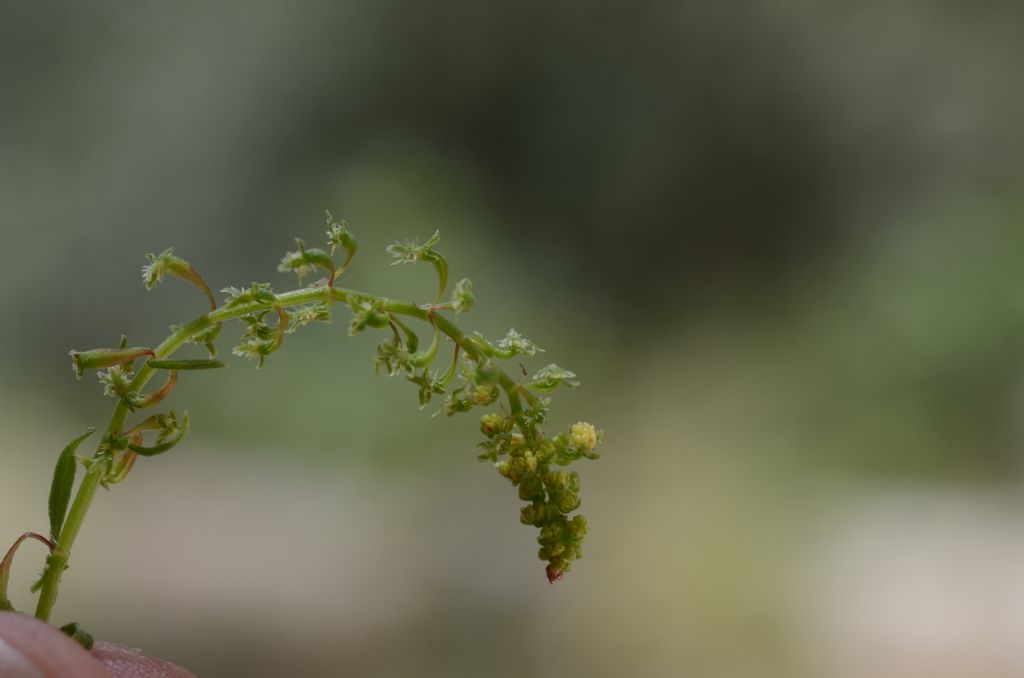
pixel 80 636
pixel 186 364
pixel 63 482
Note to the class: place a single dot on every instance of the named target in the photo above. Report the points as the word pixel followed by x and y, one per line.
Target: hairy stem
pixel 58 560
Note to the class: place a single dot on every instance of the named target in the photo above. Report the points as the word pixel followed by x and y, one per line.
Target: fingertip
pixel 128 662
pixel 31 648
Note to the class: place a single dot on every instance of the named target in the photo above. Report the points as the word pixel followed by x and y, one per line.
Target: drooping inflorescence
pixel 461 371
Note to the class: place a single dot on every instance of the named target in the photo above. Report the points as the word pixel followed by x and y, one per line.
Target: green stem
pixel 58 559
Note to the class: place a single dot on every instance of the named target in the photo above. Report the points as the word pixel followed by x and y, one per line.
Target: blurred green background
pixel 779 242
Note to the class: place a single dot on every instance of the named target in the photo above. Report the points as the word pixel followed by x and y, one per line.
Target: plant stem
pixel 57 562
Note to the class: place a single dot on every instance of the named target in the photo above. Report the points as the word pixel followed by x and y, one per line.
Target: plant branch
pixel 57 562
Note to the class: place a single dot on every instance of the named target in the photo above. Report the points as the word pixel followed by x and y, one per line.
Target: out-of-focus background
pixel 781 244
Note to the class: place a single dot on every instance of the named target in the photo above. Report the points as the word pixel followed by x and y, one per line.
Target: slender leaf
pixel 63 482
pixel 80 635
pixel 186 364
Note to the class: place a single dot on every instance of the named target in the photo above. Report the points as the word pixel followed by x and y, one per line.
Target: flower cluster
pixel 526 460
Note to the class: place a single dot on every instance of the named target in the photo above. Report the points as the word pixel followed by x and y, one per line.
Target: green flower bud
pixel 485 395
pixel 505 469
pixel 529 461
pixel 532 514
pixel 531 488
pixel 491 424
pixel 568 503
pixel 556 481
pixel 545 451
pixel 578 528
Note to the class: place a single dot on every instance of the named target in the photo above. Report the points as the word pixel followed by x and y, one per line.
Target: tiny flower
pixel 514 343
pixel 504 468
pixel 583 435
pixel 485 395
pixel 532 514
pixel 462 297
pixel 491 423
pixel 116 382
pixel 548 378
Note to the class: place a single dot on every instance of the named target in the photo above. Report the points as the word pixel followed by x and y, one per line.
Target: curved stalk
pixel 57 562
